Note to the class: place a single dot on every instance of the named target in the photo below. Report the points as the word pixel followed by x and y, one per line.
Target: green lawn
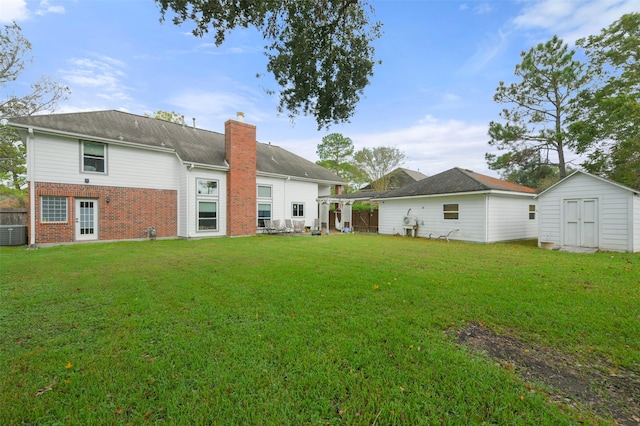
pixel 340 329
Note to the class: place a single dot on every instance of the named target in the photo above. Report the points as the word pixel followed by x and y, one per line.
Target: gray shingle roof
pixel 400 177
pixel 192 145
pixel 454 181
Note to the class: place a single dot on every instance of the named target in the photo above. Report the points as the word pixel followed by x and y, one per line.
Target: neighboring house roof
pixel 193 145
pixel 619 185
pixel 400 177
pixel 454 181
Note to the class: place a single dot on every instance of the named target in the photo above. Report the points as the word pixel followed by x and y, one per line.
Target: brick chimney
pixel 240 152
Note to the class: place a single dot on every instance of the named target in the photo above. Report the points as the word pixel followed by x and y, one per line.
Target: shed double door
pixel 581 223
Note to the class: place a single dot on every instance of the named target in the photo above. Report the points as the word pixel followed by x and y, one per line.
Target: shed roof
pixel 454 181
pixel 577 172
pixel 193 145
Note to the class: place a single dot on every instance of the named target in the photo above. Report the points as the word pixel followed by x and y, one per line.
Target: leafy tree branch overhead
pixel 320 52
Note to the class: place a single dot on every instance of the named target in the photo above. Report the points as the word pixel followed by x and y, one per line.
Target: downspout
pixel 284 198
pixel 486 218
pixel 188 215
pixel 32 188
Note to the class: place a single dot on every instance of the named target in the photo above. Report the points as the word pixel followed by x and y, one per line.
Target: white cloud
pixel 18 10
pixel 483 8
pixel 431 145
pixel 13 10
pixel 491 47
pixel 434 145
pixel 103 75
pixel 214 107
pixel 539 20
pixel 573 19
pixel 46 8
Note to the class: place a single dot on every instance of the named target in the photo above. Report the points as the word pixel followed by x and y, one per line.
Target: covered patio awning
pixel 347 201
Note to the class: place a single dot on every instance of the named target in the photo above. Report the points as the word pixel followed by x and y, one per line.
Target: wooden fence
pixel 14 216
pixel 361 221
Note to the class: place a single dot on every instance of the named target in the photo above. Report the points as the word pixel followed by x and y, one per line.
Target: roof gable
pixel 400 177
pixel 580 172
pixel 193 145
pixel 454 181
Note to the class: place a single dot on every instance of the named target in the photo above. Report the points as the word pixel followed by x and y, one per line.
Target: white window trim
pixel 258 192
pixel 446 212
pixel 304 209
pixel 66 209
pixel 217 218
pixel 207 198
pixel 106 162
pixel 198 180
pixel 270 204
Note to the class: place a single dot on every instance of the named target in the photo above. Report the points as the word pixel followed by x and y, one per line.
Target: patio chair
pixel 288 226
pixel 269 226
pixel 279 225
pixel 298 226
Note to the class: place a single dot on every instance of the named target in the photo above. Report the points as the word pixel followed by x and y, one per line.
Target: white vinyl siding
pixel 615 215
pixel 429 213
pixel 509 219
pixel 482 218
pixel 57 159
pixel 286 192
pixel 635 214
pixel 190 208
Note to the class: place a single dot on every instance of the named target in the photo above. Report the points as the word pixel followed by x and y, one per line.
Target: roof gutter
pixel 298 178
pixel 89 137
pixel 454 194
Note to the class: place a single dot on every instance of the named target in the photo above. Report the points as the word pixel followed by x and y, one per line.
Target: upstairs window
pixel 451 211
pixel 94 157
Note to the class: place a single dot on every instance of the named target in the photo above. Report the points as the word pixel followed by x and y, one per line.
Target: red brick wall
pixel 240 148
pixel 127 214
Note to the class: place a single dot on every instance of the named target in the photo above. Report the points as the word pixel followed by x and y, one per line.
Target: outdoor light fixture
pixel 86 180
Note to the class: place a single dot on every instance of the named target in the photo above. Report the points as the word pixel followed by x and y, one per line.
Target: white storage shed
pixel 584 210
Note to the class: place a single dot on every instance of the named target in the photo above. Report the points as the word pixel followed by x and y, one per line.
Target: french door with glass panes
pixel 86 212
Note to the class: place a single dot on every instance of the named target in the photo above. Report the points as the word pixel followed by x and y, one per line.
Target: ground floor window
pixel 264 213
pixel 297 210
pixel 451 211
pixel 532 211
pixel 207 215
pixel 53 209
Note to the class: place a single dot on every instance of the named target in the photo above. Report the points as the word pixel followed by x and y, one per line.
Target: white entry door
pixel 86 219
pixel 581 223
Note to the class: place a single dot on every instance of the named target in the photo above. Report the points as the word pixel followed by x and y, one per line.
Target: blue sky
pixel 432 97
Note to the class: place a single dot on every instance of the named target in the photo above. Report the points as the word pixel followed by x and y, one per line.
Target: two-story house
pixel 111 175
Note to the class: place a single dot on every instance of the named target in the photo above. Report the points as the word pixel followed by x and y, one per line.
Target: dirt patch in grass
pixel 610 392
